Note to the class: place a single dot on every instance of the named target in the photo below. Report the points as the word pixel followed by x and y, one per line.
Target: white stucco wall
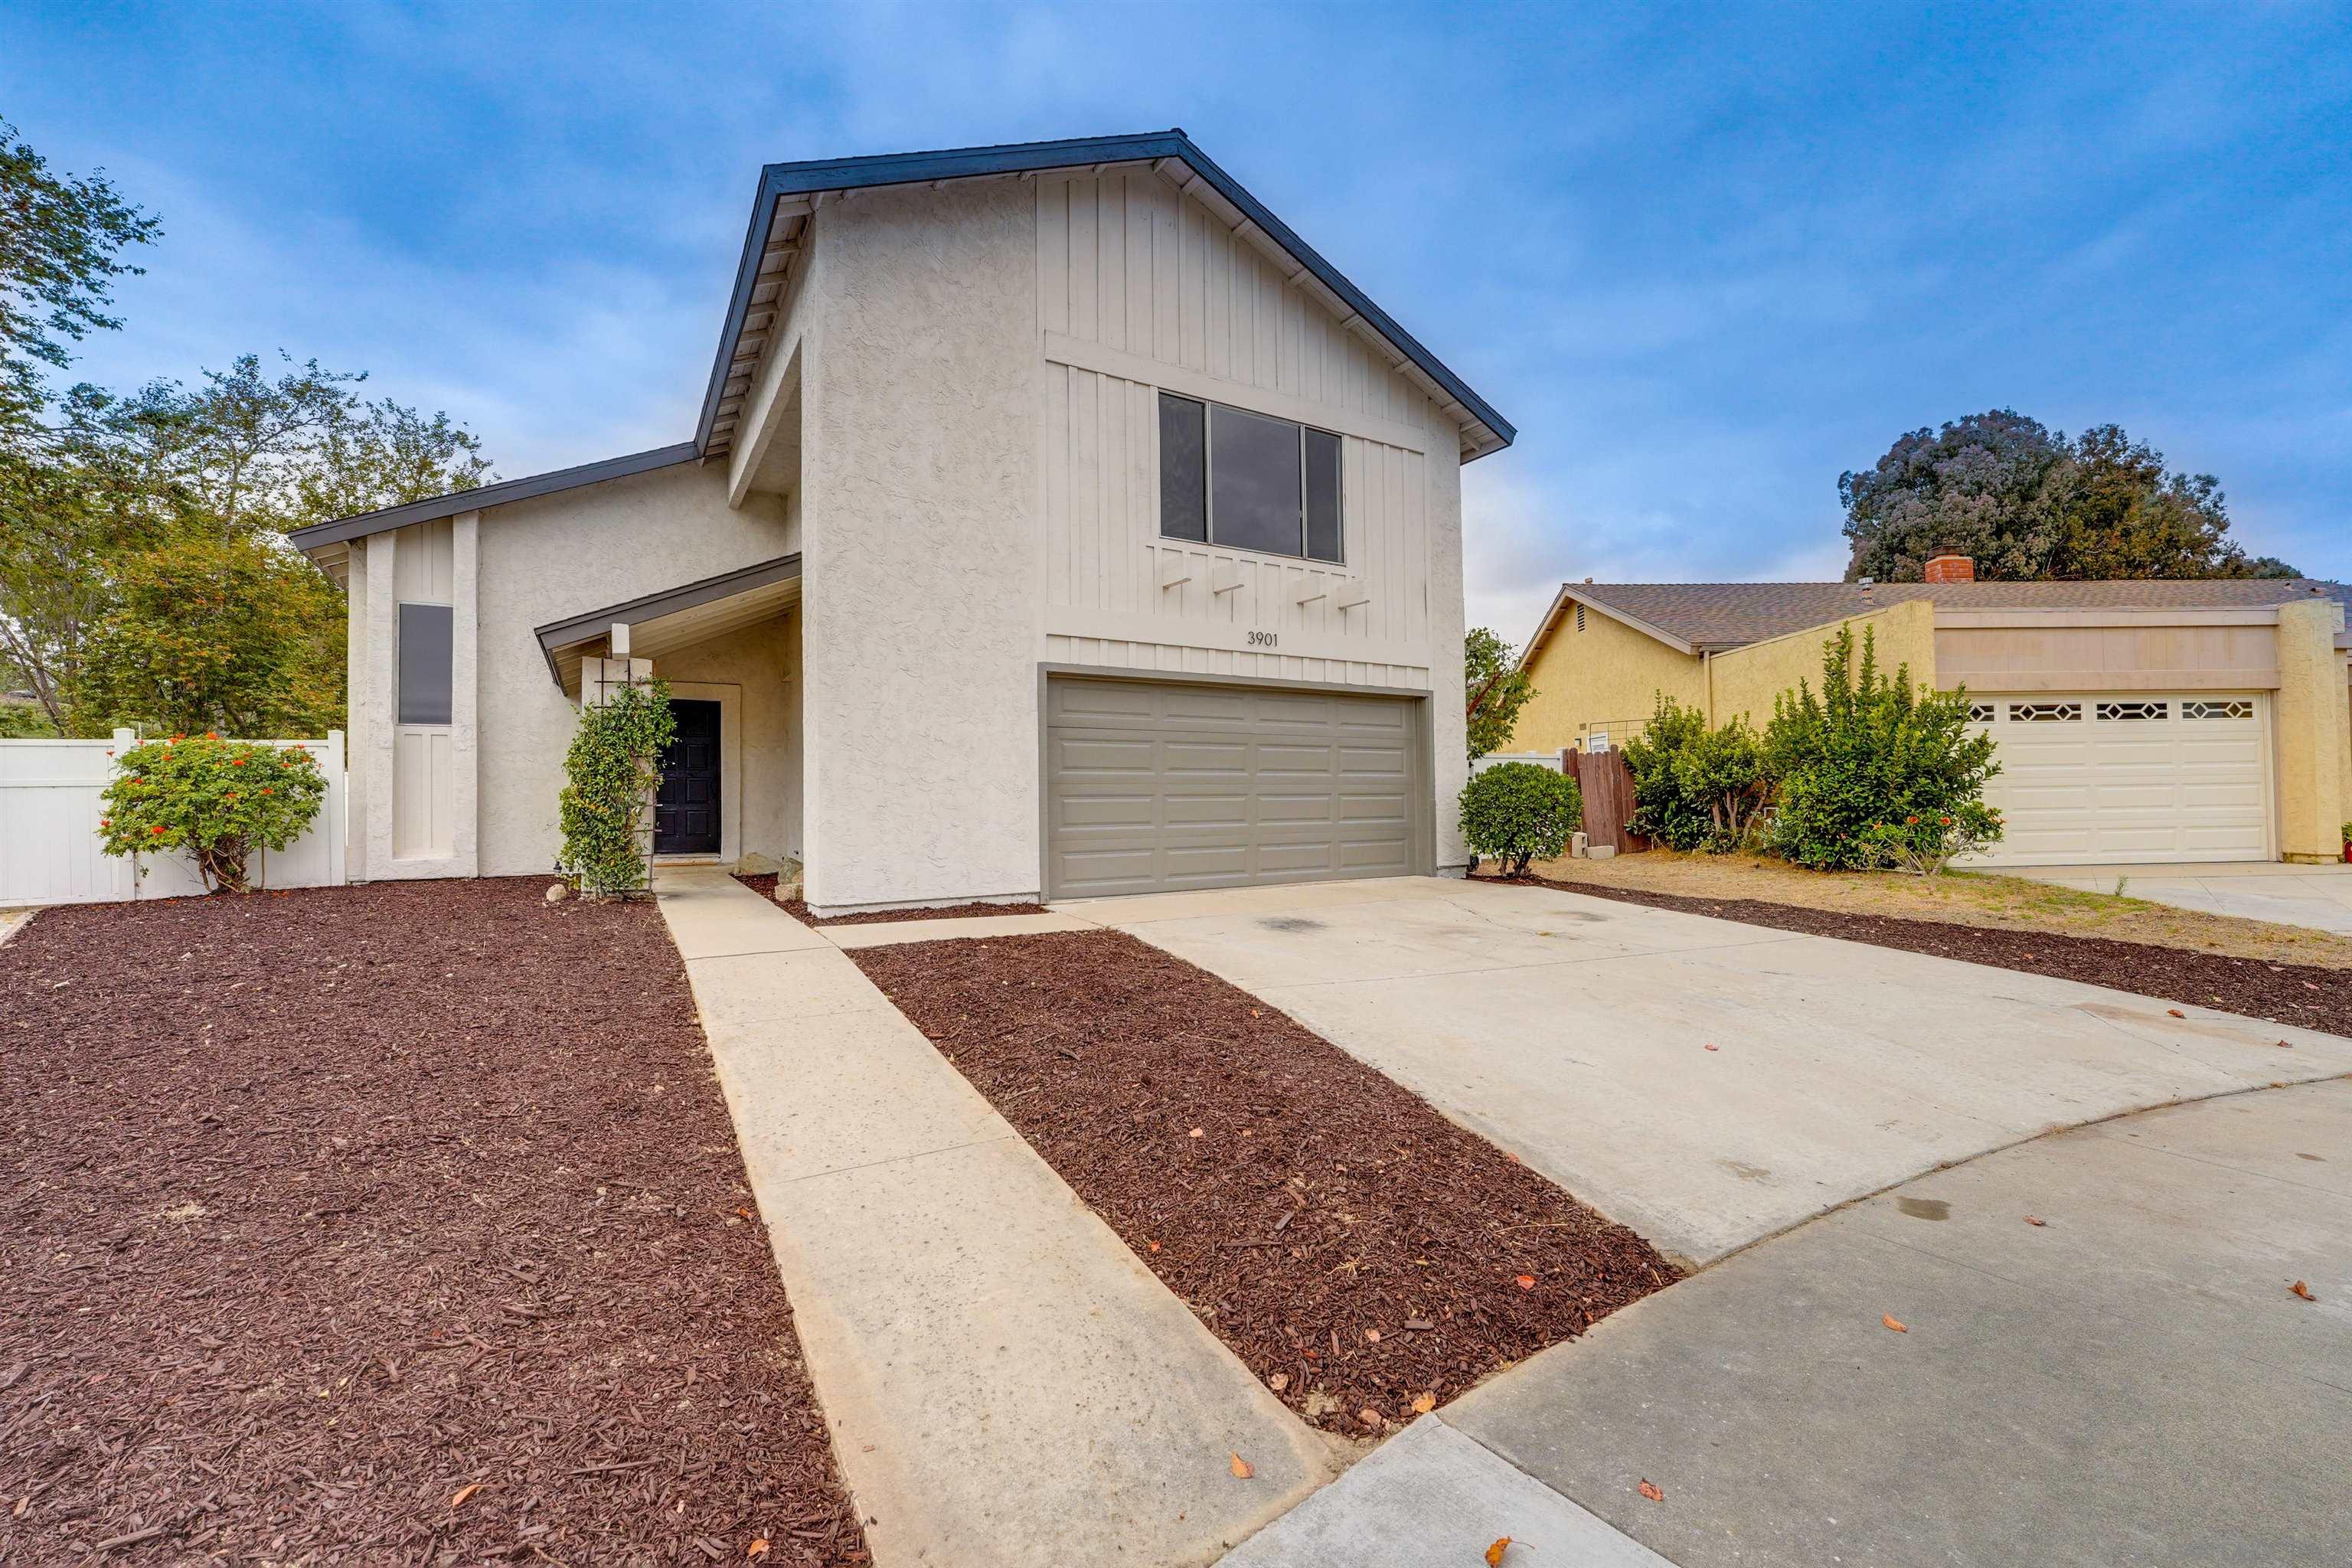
pixel 920 387
pixel 568 554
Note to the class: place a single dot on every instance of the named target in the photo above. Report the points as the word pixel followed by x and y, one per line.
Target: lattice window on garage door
pixel 2110 711
pixel 2044 712
pixel 1981 712
pixel 2231 707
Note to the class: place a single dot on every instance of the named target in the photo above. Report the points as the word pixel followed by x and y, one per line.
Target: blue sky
pixel 1705 259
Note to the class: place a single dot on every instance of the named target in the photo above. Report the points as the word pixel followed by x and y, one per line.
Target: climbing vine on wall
pixel 610 772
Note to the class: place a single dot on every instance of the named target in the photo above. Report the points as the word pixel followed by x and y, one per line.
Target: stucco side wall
pixel 2309 717
pixel 1606 676
pixel 1744 681
pixel 921 391
pixel 563 556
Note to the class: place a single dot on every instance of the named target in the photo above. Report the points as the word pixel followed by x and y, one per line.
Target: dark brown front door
pixel 686 807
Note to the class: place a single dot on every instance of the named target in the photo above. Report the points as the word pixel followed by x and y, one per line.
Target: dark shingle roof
pixel 1716 615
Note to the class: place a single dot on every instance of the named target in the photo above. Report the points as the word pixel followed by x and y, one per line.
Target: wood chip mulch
pixel 765 886
pixel 2306 995
pixel 1354 1247
pixel 400 1223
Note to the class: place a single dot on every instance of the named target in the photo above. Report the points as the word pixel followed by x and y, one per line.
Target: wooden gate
pixel 1608 787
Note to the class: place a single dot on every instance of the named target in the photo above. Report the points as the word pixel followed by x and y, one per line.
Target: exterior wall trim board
pixel 592 624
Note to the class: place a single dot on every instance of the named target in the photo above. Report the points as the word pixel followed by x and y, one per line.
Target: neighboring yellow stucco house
pixel 2138 722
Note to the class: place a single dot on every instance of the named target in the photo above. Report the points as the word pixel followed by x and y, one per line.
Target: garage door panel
pixel 2130 778
pixel 1164 786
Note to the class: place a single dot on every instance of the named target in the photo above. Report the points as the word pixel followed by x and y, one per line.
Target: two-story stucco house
pixel 1057 522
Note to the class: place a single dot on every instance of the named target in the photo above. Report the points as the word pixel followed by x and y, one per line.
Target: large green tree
pixel 2030 504
pixel 61 239
pixel 1494 689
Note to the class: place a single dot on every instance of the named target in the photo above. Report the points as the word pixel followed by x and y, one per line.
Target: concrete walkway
pixel 2319 897
pixel 1573 1031
pixel 2131 1381
pixel 1005 1382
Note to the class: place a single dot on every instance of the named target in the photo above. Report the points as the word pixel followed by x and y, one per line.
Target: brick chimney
pixel 1948 566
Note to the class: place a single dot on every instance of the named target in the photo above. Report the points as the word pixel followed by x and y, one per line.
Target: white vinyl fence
pixel 50 802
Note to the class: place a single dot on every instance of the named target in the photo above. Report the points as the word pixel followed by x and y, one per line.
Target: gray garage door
pixel 1151 787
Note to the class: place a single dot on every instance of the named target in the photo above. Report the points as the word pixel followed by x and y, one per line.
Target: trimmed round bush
pixel 1515 813
pixel 216 801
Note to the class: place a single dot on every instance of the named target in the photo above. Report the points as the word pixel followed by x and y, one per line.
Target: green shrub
pixel 1870 751
pixel 1923 845
pixel 1695 788
pixel 1518 811
pixel 216 800
pixel 611 771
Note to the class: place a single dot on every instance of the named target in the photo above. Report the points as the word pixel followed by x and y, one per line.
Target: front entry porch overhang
pixel 672 619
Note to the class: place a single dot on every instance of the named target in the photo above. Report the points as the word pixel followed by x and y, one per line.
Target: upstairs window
pixel 1240 480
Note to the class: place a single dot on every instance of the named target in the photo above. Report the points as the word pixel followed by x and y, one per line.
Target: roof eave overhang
pixel 482 497
pixel 1482 429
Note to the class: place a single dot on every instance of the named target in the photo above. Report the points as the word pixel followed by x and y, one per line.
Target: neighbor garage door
pixel 2125 778
pixel 1151 787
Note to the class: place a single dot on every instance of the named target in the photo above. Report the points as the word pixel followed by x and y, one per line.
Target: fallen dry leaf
pixel 1425 1405
pixel 2176 1012
pixel 1278 1382
pixel 1652 1493
pixel 1494 1553
pixel 2284 1046
pixel 1154 1245
pixel 1370 1417
pixel 465 1492
pixel 2304 1291
pixel 2035 1219
pixel 1527 1281
pixel 757 1549
pixel 1242 1470
pixel 1371 1336
pixel 1196 1132
pixel 745 1213
pixel 1713 1047
pixel 1888 1318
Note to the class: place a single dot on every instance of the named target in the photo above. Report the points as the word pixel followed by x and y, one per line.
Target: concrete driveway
pixel 2319 897
pixel 1573 1032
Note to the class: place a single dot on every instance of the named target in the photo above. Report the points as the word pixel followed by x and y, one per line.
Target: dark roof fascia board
pixel 779 180
pixel 499 494
pixel 593 623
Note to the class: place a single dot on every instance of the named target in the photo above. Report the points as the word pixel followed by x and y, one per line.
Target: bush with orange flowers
pixel 216 801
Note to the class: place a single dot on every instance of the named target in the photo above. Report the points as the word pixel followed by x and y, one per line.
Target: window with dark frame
pixel 426 632
pixel 1231 477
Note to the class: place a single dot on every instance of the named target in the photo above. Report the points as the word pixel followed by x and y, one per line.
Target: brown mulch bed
pixel 765 886
pixel 400 1223
pixel 1352 1245
pixel 2306 995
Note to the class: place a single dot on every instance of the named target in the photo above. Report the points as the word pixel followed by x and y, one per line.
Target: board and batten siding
pixel 1140 289
pixel 424 762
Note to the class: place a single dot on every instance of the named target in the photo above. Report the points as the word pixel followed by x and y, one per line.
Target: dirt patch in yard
pixel 401 1224
pixel 2303 994
pixel 1964 897
pixel 1353 1246
pixel 765 886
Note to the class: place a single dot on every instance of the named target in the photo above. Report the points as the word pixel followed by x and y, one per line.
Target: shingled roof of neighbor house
pixel 1713 616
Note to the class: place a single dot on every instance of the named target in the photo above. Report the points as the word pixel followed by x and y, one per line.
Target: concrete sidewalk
pixel 2131 1381
pixel 1005 1382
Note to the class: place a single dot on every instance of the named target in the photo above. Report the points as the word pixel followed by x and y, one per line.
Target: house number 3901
pixel 1263 639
